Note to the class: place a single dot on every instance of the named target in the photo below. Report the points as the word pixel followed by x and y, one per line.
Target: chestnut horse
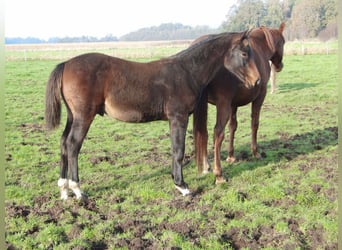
pixel 228 93
pixel 166 89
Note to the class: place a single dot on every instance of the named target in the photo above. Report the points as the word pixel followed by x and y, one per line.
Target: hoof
pixel 83 200
pixel 205 171
pixel 64 195
pixel 184 190
pixel 230 159
pixel 257 155
pixel 220 180
pixel 75 187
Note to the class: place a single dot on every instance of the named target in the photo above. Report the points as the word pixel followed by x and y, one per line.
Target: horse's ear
pixel 282 27
pixel 244 37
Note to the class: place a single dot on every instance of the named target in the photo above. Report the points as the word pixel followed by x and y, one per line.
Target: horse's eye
pixel 244 54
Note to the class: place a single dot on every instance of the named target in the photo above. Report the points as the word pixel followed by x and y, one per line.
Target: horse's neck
pixel 204 62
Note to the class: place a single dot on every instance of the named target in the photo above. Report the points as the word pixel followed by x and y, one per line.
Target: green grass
pixel 286 200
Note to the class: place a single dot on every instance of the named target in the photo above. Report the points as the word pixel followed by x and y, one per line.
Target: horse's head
pixel 276 41
pixel 239 60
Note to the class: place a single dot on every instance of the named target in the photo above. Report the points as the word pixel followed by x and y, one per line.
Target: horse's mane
pixel 208 39
pixel 272 35
pixel 261 32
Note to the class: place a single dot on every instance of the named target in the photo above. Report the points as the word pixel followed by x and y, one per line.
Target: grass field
pixel 286 200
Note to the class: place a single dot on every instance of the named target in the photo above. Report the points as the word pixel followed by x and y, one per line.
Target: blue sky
pixel 48 18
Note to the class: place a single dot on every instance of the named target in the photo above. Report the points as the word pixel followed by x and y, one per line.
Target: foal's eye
pixel 244 54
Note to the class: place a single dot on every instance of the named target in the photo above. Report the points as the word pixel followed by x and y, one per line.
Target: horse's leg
pixel 177 132
pixel 206 165
pixel 78 131
pixel 273 78
pixel 63 180
pixel 222 115
pixel 232 128
pixel 256 106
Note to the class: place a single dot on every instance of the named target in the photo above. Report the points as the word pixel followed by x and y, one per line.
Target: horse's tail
pixel 200 129
pixel 53 98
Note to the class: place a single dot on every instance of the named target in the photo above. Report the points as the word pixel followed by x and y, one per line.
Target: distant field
pixel 129 50
pixel 286 200
pixel 140 50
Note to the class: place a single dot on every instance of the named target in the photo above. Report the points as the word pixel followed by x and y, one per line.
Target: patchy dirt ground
pixel 138 226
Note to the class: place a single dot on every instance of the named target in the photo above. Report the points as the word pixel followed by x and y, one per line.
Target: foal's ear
pixel 245 35
pixel 244 38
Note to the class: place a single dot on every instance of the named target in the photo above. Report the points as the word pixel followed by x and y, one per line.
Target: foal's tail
pixel 200 129
pixel 53 98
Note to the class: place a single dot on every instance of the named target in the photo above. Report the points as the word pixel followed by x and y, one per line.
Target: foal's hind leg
pixel 78 131
pixel 63 180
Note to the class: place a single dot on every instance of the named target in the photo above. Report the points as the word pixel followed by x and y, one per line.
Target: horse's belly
pixel 128 114
pixel 245 96
pixel 123 114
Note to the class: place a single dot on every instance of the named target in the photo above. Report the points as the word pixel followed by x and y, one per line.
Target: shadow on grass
pixel 289 87
pixel 285 148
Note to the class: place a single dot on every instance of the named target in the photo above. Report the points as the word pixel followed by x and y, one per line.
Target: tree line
pixel 165 31
pixel 168 31
pixel 304 18
pixel 79 39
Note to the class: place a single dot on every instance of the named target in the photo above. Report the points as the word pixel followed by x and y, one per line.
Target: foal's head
pixel 239 60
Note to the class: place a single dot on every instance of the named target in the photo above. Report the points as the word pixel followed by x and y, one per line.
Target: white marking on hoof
pixel 206 166
pixel 230 159
pixel 75 187
pixel 220 180
pixel 63 186
pixel 184 191
pixel 205 171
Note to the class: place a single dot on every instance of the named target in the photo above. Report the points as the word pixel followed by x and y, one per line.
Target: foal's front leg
pixel 177 132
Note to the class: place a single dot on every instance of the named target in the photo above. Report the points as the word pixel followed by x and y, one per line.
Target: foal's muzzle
pixel 249 84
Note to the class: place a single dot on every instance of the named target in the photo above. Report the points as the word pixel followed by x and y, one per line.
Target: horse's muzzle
pixel 279 67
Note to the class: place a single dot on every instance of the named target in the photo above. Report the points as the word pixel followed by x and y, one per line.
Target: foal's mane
pixel 207 41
